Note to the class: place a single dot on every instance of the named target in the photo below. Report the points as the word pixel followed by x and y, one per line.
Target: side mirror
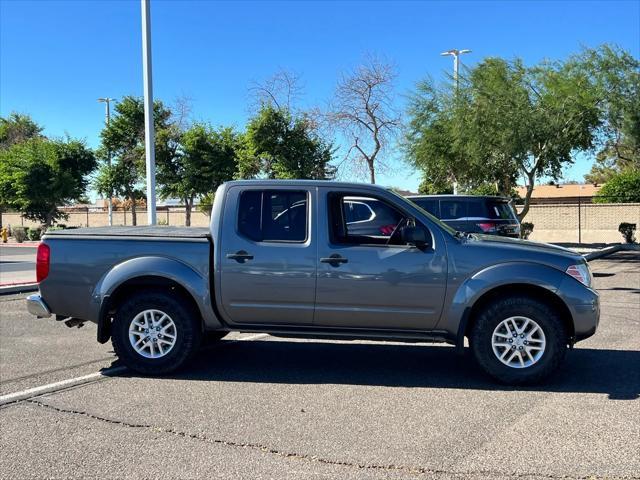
pixel 416 236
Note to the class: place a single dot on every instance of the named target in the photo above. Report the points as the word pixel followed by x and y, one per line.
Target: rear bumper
pixel 37 307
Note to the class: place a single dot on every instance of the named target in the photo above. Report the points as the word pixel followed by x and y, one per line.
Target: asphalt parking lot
pixel 262 407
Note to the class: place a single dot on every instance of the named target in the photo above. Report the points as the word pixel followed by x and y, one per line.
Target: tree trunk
pixel 134 218
pixel 531 176
pixel 188 205
pixel 372 172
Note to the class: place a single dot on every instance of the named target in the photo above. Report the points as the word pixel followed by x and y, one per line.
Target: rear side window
pixel 500 210
pixel 477 209
pixel 273 215
pixel 453 209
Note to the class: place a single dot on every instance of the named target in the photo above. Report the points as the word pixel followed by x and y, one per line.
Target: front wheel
pixel 518 340
pixel 155 333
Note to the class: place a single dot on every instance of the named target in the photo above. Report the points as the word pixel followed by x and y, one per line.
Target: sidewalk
pixel 17 267
pixel 12 243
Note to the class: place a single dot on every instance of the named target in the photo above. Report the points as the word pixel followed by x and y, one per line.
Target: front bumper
pixel 584 304
pixel 37 307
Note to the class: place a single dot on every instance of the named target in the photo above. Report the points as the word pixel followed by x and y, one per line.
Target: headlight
pixel 580 272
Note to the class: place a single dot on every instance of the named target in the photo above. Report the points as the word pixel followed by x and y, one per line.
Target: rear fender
pixel 152 266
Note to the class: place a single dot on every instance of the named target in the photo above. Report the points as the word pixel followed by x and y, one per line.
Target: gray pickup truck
pixel 281 257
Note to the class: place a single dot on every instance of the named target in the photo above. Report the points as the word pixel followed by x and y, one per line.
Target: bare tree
pixel 362 111
pixel 282 90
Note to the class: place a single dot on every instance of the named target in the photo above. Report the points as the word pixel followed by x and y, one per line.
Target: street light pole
pixel 149 137
pixel 455 53
pixel 107 101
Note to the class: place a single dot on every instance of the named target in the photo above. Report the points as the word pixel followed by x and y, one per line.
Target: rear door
pixel 268 260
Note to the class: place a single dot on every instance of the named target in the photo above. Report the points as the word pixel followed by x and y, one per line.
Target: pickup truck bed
pixel 143 231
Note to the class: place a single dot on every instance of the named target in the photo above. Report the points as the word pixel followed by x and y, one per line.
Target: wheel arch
pixel 515 289
pixel 158 273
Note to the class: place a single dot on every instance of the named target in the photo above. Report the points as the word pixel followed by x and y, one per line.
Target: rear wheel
pixel 155 333
pixel 518 340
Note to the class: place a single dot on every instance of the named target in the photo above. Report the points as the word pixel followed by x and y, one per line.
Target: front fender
pixel 153 266
pixel 483 281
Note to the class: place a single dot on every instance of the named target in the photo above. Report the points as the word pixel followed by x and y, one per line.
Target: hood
pixel 516 247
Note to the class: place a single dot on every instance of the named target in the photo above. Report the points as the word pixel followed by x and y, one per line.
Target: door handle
pixel 334 260
pixel 240 256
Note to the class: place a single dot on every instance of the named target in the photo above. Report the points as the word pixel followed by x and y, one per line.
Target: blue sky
pixel 57 57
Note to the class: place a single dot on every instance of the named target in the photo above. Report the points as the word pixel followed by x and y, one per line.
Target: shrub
pixel 34 234
pixel 162 221
pixel 20 234
pixel 525 229
pixel 621 188
pixel 628 231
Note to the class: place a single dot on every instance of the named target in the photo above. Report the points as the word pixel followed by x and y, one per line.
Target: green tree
pixel 123 139
pixel 623 187
pixel 194 163
pixel 615 74
pixel 279 145
pixel 17 128
pixel 427 187
pixel 38 175
pixel 505 120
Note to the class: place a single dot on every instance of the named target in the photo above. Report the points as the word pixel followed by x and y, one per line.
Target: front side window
pixel 381 226
pixel 273 215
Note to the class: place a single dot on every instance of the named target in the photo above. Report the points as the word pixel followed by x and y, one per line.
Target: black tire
pixel 543 314
pixel 187 327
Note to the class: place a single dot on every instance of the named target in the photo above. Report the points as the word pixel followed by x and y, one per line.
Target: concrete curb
pixel 27 287
pixel 20 245
pixel 609 250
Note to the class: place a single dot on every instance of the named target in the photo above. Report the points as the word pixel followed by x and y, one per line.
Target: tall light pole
pixel 455 53
pixel 107 117
pixel 149 136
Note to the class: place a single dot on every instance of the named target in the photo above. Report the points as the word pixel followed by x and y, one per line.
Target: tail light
pixel 487 227
pixel 387 229
pixel 43 258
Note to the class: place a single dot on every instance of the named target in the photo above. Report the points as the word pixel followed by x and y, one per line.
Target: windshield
pixel 406 201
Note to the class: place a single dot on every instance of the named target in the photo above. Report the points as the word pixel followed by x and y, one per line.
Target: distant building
pixel 570 193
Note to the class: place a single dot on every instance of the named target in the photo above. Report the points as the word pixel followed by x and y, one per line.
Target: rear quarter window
pixel 500 210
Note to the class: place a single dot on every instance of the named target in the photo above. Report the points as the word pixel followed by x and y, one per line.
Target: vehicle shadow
pixel 586 370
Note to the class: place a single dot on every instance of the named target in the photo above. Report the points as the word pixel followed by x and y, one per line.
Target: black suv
pixel 472 213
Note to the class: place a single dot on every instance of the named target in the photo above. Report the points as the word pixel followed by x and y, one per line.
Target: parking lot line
pixel 74 382
pixel 55 386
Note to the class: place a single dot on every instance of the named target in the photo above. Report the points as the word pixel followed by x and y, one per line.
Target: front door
pixel 268 260
pixel 370 278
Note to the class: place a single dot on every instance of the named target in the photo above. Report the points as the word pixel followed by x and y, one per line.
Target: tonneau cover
pixel 144 231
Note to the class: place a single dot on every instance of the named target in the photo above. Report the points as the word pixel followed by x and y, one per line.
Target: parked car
pixel 289 258
pixel 472 213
